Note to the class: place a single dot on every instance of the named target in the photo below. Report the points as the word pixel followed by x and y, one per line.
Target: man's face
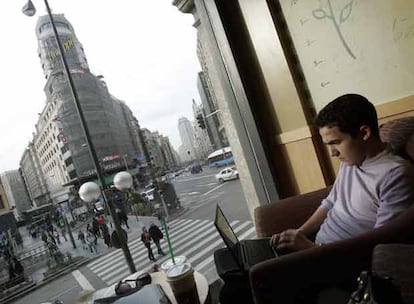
pixel 342 145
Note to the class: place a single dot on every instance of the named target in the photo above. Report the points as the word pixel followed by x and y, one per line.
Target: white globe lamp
pixel 89 192
pixel 123 181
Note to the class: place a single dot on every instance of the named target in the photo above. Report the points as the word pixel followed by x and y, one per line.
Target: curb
pixel 57 274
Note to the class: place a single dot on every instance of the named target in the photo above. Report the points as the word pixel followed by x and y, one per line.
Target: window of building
pixel 72 174
pixel 68 161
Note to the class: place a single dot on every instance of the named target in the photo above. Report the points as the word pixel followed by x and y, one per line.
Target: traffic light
pixel 200 120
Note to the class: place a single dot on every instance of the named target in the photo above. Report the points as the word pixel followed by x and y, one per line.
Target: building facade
pixel 59 143
pixel 154 150
pixel 16 192
pixel 215 128
pixel 188 149
pixel 33 177
pixel 168 153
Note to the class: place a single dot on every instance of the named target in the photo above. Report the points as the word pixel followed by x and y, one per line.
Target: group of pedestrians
pixel 155 234
pixel 51 234
pixel 15 268
pixel 94 230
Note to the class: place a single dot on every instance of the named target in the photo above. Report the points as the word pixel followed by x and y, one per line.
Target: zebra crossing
pixel 195 239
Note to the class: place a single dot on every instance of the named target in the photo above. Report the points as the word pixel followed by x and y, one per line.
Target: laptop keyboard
pixel 258 251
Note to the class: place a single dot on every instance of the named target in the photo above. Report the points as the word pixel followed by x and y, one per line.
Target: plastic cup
pixel 182 283
pixel 179 260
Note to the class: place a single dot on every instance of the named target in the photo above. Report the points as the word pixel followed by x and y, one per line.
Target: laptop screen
pixel 225 230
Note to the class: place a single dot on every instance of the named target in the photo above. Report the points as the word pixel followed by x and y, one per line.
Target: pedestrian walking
pixel 156 236
pixel 18 267
pixel 95 228
pixel 63 232
pixel 146 239
pixel 91 241
pixel 56 236
pixel 123 218
pixel 12 274
pixel 81 237
pixel 100 219
pixel 89 228
pixel 50 238
pixel 44 236
pixel 106 235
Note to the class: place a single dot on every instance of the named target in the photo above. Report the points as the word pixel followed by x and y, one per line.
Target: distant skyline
pixel 146 53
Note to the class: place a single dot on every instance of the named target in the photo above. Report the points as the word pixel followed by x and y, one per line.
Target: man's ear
pixel 365 132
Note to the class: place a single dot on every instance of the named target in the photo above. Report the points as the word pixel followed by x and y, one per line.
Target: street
pixel 192 234
pixel 201 193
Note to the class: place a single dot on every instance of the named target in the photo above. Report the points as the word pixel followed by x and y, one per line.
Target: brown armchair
pixel 334 264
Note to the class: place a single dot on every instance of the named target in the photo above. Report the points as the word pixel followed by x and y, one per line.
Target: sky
pixel 146 51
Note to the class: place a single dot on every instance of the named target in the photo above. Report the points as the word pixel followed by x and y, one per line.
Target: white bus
pixel 221 157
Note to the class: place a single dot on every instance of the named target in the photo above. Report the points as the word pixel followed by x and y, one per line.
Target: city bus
pixel 221 157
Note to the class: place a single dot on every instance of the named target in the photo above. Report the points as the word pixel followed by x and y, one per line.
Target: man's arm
pixel 298 239
pixel 311 226
pixel 396 194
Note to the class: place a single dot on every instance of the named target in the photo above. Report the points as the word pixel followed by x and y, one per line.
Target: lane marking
pixel 181 247
pixel 195 178
pixel 65 292
pixel 190 193
pixel 82 280
pixel 215 188
pixel 140 256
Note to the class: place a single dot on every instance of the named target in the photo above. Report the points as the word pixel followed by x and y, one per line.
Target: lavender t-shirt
pixel 367 196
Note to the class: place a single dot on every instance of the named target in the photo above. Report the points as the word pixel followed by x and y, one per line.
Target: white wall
pixel 369 52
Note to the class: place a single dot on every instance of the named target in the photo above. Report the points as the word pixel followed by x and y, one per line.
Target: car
pixel 148 193
pixel 226 174
pixel 99 207
pixel 196 169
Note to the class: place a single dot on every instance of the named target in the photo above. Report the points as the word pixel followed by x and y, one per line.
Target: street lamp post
pixel 123 182
pixel 30 10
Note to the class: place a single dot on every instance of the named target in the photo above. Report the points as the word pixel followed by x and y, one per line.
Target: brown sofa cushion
pixel 395 261
pixel 399 134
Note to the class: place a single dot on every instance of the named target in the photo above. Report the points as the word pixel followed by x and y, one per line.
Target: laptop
pixel 246 252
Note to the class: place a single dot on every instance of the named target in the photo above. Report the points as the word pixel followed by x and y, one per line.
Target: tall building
pixel 167 150
pixel 33 177
pixel 16 192
pixel 215 128
pixel 155 152
pixel 59 142
pixel 188 151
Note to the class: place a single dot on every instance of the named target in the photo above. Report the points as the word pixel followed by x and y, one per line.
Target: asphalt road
pixel 199 193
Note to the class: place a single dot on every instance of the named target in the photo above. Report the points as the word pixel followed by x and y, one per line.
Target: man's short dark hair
pixel 349 112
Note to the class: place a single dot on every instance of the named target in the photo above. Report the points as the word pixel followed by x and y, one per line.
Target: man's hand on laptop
pixel 291 240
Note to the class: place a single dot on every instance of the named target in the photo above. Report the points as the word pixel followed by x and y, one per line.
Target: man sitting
pixel 373 185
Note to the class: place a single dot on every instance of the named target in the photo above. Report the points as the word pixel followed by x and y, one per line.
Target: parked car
pixel 226 174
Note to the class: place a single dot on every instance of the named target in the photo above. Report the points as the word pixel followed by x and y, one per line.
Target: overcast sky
pixel 146 50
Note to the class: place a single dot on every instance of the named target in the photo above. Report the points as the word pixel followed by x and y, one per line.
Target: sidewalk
pixel 80 256
pixel 66 247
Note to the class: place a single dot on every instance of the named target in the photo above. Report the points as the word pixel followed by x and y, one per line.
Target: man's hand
pixel 291 240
